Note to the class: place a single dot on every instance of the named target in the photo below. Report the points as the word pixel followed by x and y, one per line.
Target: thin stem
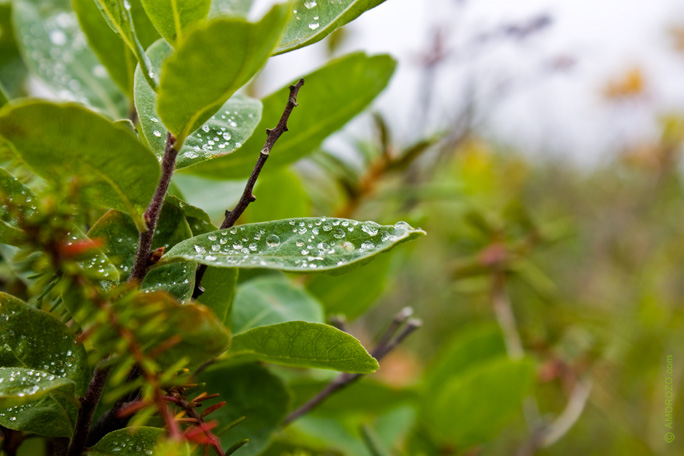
pixel 505 316
pixel 346 379
pixel 141 263
pixel 88 406
pixel 247 195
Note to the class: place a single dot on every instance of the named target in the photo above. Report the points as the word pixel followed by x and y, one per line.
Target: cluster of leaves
pixel 107 262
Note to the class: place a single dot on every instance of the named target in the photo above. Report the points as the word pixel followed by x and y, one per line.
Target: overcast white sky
pixel 562 111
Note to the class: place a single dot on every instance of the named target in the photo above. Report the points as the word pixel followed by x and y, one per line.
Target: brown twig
pixel 247 195
pixel 141 264
pixel 388 342
pixel 87 411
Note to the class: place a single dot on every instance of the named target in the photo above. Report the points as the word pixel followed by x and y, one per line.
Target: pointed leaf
pixel 210 64
pixel 54 48
pixel 172 17
pixel 330 98
pixel 270 300
pixel 19 386
pixel 298 245
pixel 121 237
pixel 137 441
pixel 303 344
pixel 59 141
pixel 220 135
pixel 16 192
pixel 33 339
pixel 251 391
pixel 313 20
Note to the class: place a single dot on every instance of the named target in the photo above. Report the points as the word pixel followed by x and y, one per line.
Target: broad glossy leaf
pixel 269 300
pixel 224 132
pixel 172 17
pixel 281 196
pixel 198 220
pixel 210 64
pixel 17 193
pixel 250 391
pixel 297 245
pixel 55 49
pixel 13 72
pixel 134 441
pixel 112 52
pixel 158 317
pixel 121 237
pixel 59 141
pixel 331 97
pixel 351 294
pixel 488 395
pixel 33 339
pixel 230 7
pixel 19 386
pixel 302 344
pixel 219 292
pixel 313 20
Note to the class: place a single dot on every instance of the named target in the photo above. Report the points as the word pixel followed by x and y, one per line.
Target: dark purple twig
pixel 87 411
pixel 385 346
pixel 247 195
pixel 141 263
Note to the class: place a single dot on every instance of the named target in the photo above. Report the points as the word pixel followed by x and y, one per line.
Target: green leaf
pixel 239 8
pixel 330 98
pixel 13 72
pixel 19 386
pixel 172 17
pixel 59 141
pixel 270 300
pixel 17 193
pixel 53 47
pixel 281 196
pixel 302 344
pixel 33 339
pixel 297 245
pixel 210 64
pixel 157 318
pixel 351 294
pixel 112 52
pixel 121 237
pixel 313 20
pixel 219 291
pixel 468 349
pixel 134 441
pixel 488 396
pixel 251 391
pixel 223 133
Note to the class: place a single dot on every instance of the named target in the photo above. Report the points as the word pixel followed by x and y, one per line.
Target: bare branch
pixel 87 411
pixel 247 195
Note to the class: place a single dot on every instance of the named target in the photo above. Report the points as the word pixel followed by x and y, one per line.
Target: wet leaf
pixel 219 292
pixel 302 344
pixel 19 386
pixel 131 441
pixel 172 18
pixel 297 245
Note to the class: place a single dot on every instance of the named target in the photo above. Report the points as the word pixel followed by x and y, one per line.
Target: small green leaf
pixel 270 300
pixel 281 196
pixel 488 395
pixel 219 291
pixel 134 441
pixel 33 339
pixel 314 20
pixel 13 72
pixel 17 193
pixel 210 64
pixel 112 52
pixel 53 47
pixel 239 8
pixel 172 17
pixel 251 391
pixel 351 294
pixel 223 133
pixel 330 98
pixel 19 386
pixel 298 245
pixel 121 237
pixel 302 344
pixel 59 141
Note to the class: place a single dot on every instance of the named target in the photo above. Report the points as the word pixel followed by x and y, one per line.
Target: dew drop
pixel 157 133
pixel 338 233
pixel 314 25
pixel 273 240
